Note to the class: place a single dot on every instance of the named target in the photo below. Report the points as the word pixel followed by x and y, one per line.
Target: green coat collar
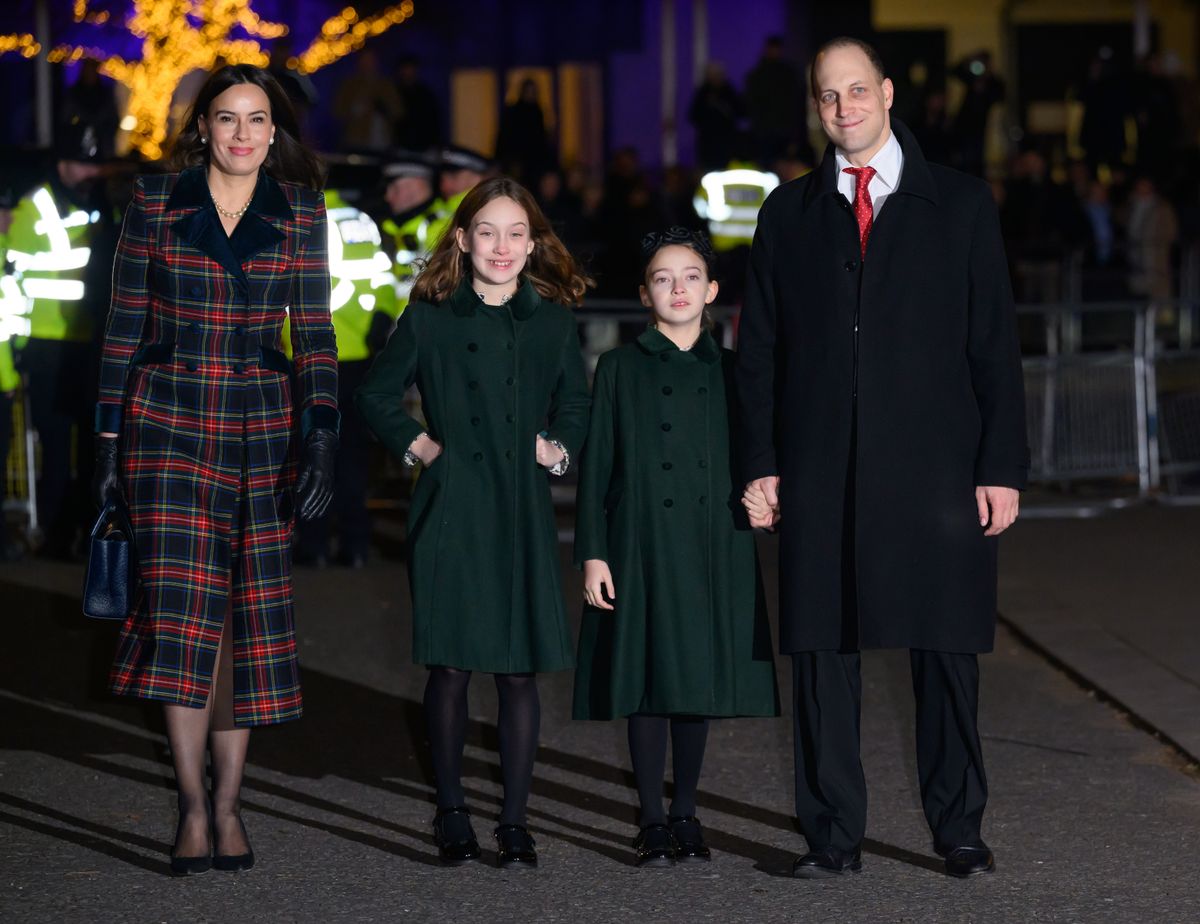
pixel 653 341
pixel 465 301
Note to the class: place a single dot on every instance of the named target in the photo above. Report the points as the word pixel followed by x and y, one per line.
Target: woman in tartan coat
pixel 198 430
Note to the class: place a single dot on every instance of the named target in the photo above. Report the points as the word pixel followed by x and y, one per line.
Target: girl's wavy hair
pixel 288 160
pixel 679 236
pixel 550 268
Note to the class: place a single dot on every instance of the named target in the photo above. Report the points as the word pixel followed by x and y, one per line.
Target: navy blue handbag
pixel 111 569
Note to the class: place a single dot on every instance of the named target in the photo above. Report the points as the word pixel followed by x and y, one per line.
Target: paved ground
pixel 1091 818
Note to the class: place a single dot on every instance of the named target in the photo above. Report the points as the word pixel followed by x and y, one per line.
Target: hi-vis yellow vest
pixel 729 201
pixel 47 250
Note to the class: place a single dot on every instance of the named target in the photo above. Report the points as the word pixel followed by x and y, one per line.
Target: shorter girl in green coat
pixel 675 628
pixel 495 354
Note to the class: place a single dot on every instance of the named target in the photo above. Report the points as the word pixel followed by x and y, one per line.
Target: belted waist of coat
pixel 237 349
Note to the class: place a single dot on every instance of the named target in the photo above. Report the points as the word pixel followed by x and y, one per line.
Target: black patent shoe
pixel 235 862
pixel 454 836
pixel 827 863
pixel 655 846
pixel 689 839
pixel 515 849
pixel 968 860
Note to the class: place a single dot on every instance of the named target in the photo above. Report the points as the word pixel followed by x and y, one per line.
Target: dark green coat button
pixel 510 345
pixel 702 390
pixel 509 380
pixel 472 385
pixel 472 347
pixel 479 457
pixel 474 421
pixel 703 499
pixel 667 389
pixel 703 463
pixel 666 428
pixel 668 503
pixel 509 418
pixel 666 466
pixel 508 454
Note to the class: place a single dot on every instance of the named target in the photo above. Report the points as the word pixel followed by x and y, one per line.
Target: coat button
pixel 237 368
pixel 703 464
pixel 473 385
pixel 702 390
pixel 508 454
pixel 191 367
pixel 473 347
pixel 509 418
pixel 850 266
pixel 667 389
pixel 479 457
pixel 668 503
pixel 510 345
pixel 666 428
pixel 703 499
pixel 509 380
pixel 666 466
pixel 239 330
pixel 474 421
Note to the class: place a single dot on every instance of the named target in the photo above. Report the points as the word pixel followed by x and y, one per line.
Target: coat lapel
pixel 202 228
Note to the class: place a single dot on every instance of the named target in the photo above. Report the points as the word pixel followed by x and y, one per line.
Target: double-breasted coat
pixel 209 412
pixel 482 539
pixel 659 503
pixel 882 389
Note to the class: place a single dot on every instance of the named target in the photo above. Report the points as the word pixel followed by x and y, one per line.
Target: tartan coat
pixel 193 379
pixel 483 558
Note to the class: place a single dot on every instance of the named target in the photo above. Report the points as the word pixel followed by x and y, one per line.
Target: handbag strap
pixel 114 512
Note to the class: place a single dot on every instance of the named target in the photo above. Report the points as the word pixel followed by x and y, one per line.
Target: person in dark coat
pixel 523 148
pixel 495 354
pixel 197 422
pixel 716 111
pixel 882 411
pixel 675 625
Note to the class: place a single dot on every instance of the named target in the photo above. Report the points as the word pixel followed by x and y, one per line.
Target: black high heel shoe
pixel 190 866
pixel 454 836
pixel 235 862
pixel 515 849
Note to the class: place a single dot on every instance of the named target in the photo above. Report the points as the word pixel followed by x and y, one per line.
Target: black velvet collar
pixel 523 304
pixel 654 341
pixel 201 227
pixel 915 178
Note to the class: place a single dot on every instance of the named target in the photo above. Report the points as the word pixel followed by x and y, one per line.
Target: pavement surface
pixel 1092 817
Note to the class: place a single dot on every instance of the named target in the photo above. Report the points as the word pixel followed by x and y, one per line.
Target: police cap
pixel 408 163
pixel 459 158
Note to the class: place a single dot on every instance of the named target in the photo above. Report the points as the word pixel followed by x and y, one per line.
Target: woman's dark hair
pixel 679 236
pixel 288 160
pixel 550 267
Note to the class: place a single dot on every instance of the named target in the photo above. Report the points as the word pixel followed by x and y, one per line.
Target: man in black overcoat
pixel 883 418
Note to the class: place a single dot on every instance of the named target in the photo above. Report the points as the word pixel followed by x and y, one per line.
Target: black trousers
pixel 831 791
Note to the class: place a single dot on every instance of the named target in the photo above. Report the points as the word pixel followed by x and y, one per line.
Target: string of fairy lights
pixel 181 36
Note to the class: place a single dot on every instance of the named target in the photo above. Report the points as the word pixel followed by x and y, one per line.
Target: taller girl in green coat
pixel 496 358
pixel 675 630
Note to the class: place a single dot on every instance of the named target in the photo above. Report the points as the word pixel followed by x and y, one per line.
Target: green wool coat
pixel 659 503
pixel 482 539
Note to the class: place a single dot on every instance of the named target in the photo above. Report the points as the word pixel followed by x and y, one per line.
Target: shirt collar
pixel 888 162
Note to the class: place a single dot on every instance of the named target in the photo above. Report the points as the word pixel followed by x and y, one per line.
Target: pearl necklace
pixel 228 214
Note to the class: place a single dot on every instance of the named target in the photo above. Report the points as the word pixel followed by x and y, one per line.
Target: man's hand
pixel 998 508
pixel 761 500
pixel 597 583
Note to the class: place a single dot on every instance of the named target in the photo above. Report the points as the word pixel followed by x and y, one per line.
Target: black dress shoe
pixel 190 866
pixel 454 836
pixel 827 862
pixel 655 846
pixel 515 849
pixel 967 860
pixel 689 839
pixel 235 862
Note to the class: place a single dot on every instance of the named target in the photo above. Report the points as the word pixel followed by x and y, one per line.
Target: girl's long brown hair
pixel 551 268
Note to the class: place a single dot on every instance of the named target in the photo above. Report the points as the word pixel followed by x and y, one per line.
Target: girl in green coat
pixel 496 358
pixel 675 629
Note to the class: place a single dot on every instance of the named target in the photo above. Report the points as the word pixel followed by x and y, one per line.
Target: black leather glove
pixel 106 482
pixel 314 488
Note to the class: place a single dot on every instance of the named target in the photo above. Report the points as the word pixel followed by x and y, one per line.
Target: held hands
pixel 548 455
pixel 314 488
pixel 598 584
pixel 106 482
pixel 761 500
pixel 998 508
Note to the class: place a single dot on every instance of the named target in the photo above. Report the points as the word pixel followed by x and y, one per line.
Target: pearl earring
pixel 272 141
pixel 203 140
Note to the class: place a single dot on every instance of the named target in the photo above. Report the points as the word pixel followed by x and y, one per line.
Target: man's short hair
pixel 843 41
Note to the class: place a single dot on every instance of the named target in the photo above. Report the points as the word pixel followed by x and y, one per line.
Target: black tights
pixel 517 725
pixel 648 750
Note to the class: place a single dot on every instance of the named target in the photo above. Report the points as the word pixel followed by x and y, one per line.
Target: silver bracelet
pixel 560 467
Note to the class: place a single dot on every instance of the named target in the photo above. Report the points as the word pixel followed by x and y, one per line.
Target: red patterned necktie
pixel 862 202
